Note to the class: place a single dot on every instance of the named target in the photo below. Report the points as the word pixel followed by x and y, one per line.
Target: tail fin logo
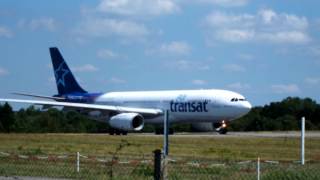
pixel 61 73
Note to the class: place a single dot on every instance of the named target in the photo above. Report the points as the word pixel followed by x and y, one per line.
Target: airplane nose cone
pixel 244 108
pixel 240 109
pixel 248 106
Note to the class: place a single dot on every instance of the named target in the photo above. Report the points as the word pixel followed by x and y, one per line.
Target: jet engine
pixel 127 121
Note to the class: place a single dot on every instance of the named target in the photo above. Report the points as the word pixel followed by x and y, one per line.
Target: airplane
pixel 129 111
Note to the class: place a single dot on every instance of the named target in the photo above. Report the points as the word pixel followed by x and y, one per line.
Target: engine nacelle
pixel 127 121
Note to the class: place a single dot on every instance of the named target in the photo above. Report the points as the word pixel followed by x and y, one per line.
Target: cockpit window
pixel 237 99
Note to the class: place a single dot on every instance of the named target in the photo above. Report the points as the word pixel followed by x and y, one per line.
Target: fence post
pixel 166 128
pixel 302 139
pixel 78 162
pixel 157 164
pixel 165 145
pixel 258 169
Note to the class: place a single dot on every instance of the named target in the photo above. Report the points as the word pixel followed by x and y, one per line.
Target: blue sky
pixel 265 50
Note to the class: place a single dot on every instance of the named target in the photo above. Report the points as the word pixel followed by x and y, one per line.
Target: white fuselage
pixel 183 105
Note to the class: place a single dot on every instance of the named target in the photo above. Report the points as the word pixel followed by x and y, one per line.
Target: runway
pixel 271 134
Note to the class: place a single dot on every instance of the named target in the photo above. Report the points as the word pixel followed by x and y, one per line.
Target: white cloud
pixel 5 32
pixel 315 50
pixel 85 68
pixel 46 23
pixel 265 26
pixel 267 15
pixel 203 67
pixel 106 54
pixel 285 88
pixel 247 57
pixel 3 71
pixel 225 20
pixel 51 79
pixel 199 82
pixel 285 37
pixel 116 80
pixel 234 68
pixel 138 7
pixel 186 65
pixel 117 19
pixel 227 3
pixel 106 27
pixel 235 35
pixel 175 47
pixel 239 86
pixel 182 64
pixel 312 80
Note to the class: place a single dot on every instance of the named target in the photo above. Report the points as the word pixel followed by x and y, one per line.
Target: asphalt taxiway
pixel 271 134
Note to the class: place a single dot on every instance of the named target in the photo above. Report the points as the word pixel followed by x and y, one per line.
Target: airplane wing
pixel 120 109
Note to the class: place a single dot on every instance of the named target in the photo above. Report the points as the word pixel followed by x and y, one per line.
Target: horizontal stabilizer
pixel 39 96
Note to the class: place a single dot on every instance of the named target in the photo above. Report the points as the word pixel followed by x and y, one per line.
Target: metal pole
pixel 165 145
pixel 258 169
pixel 166 133
pixel 302 139
pixel 78 162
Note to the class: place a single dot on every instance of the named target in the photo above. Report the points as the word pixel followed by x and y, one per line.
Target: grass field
pixel 198 157
pixel 213 147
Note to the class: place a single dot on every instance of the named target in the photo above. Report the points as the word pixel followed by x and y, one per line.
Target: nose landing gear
pixel 221 128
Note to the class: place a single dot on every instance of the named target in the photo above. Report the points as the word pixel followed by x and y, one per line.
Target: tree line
pixel 284 115
pixel 32 120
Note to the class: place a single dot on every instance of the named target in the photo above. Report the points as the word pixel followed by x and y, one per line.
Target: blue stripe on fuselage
pixel 80 97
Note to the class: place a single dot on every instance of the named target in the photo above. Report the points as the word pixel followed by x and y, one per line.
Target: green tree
pixel 284 115
pixel 7 119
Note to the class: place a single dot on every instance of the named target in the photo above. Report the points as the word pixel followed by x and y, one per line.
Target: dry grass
pixel 229 148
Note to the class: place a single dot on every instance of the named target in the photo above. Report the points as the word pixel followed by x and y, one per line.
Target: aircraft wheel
pixel 223 131
pixel 111 132
pixel 160 131
pixel 117 132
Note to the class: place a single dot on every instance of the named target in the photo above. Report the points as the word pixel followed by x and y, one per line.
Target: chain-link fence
pixel 243 170
pixel 142 167
pixel 73 167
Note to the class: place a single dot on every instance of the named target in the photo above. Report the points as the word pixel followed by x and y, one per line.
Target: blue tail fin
pixel 66 83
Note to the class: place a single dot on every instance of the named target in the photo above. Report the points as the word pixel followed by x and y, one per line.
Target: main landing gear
pixel 221 128
pixel 160 131
pixel 117 132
